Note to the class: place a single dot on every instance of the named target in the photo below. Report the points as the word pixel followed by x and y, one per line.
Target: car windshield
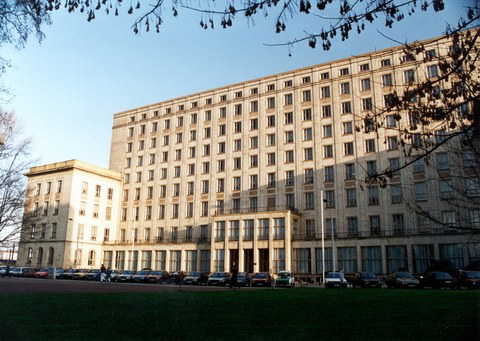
pixel 194 274
pixel 333 275
pixel 261 275
pixel 218 274
pixel 367 275
pixel 127 272
pixel 283 274
pixel 404 275
pixel 475 274
pixel 144 272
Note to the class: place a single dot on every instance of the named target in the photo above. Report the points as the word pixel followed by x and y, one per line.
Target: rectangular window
pixel 365 84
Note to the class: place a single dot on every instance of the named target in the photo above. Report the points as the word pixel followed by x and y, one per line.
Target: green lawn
pixel 299 314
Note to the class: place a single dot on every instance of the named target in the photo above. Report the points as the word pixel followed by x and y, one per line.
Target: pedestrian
pixel 103 273
pixel 234 279
pixel 109 274
pixel 7 271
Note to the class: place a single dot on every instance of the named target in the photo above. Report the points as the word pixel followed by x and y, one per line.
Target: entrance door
pixel 263 260
pixel 233 259
pixel 248 259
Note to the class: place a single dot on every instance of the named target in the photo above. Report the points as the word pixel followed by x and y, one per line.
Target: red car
pixel 261 279
pixel 42 273
pixel 469 279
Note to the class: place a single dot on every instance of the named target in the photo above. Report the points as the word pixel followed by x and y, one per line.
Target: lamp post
pixel 323 237
pixel 78 238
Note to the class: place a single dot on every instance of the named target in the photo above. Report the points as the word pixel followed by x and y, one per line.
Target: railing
pixel 256 210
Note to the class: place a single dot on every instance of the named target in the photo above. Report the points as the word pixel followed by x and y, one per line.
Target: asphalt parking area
pixel 37 285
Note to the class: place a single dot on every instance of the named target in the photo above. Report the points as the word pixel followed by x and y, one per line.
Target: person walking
pixel 7 271
pixel 103 273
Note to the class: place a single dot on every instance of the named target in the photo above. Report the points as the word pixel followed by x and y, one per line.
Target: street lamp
pixel 322 223
pixel 78 238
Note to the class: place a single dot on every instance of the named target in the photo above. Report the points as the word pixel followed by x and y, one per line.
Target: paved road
pixel 37 285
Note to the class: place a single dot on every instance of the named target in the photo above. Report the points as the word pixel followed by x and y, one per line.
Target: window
pixel 288 99
pixel 222 130
pixel 370 146
pixel 432 71
pixel 325 92
pixel 288 118
pixel 309 201
pixel 271 159
pixel 351 197
pixel 237 183
pixel 206 167
pixel 394 166
pixel 59 186
pixel 373 195
pixel 254 181
pixel 396 194
pixel 443 161
pixel 365 84
pixel 289 178
pixel 409 76
pixel 385 62
pixel 390 121
pixel 289 156
pixel 308 175
pixel 348 148
pixel 307 114
pixel 346 107
pixel 271 121
pixel 306 96
pixel 190 188
pixel 271 87
pixel 446 189
pixel 345 88
pixel 308 154
pixel 326 111
pixel 397 222
pixel 253 161
pixel 325 75
pixel 344 72
pixel 271 180
pixel 271 139
pixel 237 109
pixel 289 137
pixel 387 80
pixel 204 186
pixel 367 103
pixel 347 128
pixel 221 165
pixel 328 151
pixel 329 173
pixel 237 145
pixel 421 191
pixel 307 134
pixel 330 199
pixel 270 102
pixel 237 163
pixel 352 225
pixel 392 143
pixel 364 67
pixel 349 171
pixel 327 130
pixel 371 168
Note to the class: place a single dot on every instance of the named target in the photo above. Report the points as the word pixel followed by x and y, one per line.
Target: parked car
pixel 80 274
pixel 438 279
pixel 158 276
pixel 22 271
pixel 93 275
pixel 263 279
pixel 196 278
pixel 243 279
pixel 335 280
pixel 42 273
pixel 66 274
pixel 469 279
pixel 125 276
pixel 402 279
pixel 285 279
pixel 141 276
pixel 219 278
pixel 366 280
pixel 176 277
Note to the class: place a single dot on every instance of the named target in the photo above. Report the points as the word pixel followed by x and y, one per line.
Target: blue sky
pixel 68 87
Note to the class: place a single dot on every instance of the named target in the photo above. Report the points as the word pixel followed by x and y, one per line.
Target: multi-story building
pixel 72 210
pixel 269 174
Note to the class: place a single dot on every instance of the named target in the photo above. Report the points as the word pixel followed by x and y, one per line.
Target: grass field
pixel 298 314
